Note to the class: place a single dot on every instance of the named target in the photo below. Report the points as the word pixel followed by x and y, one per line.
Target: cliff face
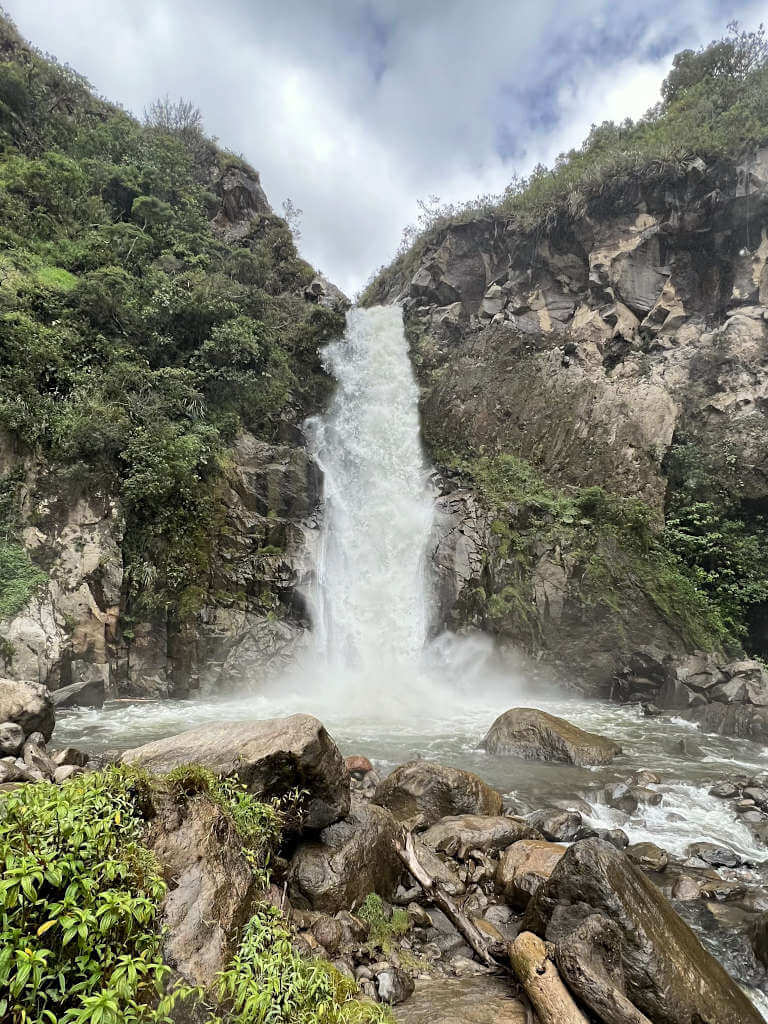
pixel 158 353
pixel 624 350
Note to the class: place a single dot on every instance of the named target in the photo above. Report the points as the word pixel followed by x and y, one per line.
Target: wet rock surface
pixel 423 792
pixel 270 757
pixel 536 735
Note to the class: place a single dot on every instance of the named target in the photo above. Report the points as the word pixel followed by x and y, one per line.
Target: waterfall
pixel 370 603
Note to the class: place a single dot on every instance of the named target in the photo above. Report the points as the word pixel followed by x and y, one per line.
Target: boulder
pixel 211 887
pixel 458 836
pixel 715 856
pixel 648 856
pixel 423 792
pixel 538 736
pixel 556 825
pixel 88 693
pixel 669 976
pixel 11 739
pixel 589 961
pixel 523 867
pixel 350 859
pixel 271 757
pixel 28 705
pixel 393 985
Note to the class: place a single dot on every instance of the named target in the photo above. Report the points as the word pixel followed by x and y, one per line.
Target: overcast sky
pixel 357 108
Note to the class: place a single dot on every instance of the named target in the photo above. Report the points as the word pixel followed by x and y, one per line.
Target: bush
pixel 19 579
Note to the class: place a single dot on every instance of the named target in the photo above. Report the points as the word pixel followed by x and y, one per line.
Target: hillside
pixel 158 347
pixel 592 351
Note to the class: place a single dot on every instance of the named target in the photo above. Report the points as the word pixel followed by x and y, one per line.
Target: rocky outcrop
pixel 28 706
pixel 349 860
pixel 539 736
pixel 270 757
pixel 422 792
pixel 595 350
pixel 669 976
pixel 211 885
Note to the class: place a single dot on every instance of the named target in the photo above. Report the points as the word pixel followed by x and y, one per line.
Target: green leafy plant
pixel 384 925
pixel 79 903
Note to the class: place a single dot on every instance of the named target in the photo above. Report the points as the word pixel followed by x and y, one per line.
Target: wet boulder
pixel 559 826
pixel 669 976
pixel 458 836
pixel 27 705
pixel 714 855
pixel 271 757
pixel 538 736
pixel 648 856
pixel 423 792
pixel 350 859
pixel 86 693
pixel 523 867
pixel 11 739
pixel 589 961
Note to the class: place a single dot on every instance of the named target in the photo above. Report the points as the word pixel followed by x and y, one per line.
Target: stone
pixel 65 771
pixel 536 735
pixel 423 792
pixel 458 836
pixel 394 986
pixel 69 755
pixel 11 739
pixel 329 933
pixel 28 705
pixel 557 826
pixel 686 888
pixel 270 757
pixel 523 867
pixel 469 1000
pixel 88 693
pixel 716 856
pixel 357 764
pixel 35 756
pixel 758 935
pixel 724 790
pixel 350 859
pixel 211 887
pixel 616 837
pixel 648 856
pixel 669 976
pixel 589 961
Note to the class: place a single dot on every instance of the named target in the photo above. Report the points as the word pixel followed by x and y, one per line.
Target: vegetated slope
pixel 592 351
pixel 158 347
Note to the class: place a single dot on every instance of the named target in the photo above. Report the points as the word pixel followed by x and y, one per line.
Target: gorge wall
pixel 575 381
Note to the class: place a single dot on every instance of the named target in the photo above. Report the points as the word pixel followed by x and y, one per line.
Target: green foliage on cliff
pixel 612 544
pixel 19 578
pixel 134 340
pixel 714 105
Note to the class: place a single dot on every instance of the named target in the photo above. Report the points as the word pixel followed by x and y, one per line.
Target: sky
pixel 356 109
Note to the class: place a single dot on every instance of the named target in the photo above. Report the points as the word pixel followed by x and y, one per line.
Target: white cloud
pixel 357 108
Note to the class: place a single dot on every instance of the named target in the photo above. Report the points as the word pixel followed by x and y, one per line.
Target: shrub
pixel 19 578
pixel 384 926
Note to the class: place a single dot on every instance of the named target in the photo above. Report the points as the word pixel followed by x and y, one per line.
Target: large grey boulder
pixel 87 693
pixel 458 836
pixel 271 757
pixel 538 736
pixel 211 886
pixel 523 867
pixel 28 705
pixel 350 859
pixel 423 792
pixel 668 974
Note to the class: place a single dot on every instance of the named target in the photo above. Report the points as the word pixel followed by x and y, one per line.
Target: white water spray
pixel 371 606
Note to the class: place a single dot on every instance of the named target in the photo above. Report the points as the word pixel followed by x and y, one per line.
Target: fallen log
pixel 542 983
pixel 441 899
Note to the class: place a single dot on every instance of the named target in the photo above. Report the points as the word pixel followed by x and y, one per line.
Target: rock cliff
pixel 624 349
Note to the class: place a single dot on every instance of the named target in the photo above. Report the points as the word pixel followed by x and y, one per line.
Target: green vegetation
pixel 19 579
pixel 134 340
pixel 714 104
pixel 611 542
pixel 268 981
pixel 80 894
pixel 385 924
pixel 81 942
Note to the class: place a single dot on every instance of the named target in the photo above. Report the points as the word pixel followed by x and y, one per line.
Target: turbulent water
pixel 370 601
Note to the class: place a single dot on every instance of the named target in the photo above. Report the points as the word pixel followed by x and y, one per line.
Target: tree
pixel 733 57
pixel 179 117
pixel 292 217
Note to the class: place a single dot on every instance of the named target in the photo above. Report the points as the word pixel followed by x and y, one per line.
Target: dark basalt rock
pixel 669 976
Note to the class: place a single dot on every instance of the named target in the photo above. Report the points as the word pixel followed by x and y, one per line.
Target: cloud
pixel 357 108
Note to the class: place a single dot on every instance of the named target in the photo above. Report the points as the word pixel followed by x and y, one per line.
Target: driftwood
pixel 431 887
pixel 542 983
